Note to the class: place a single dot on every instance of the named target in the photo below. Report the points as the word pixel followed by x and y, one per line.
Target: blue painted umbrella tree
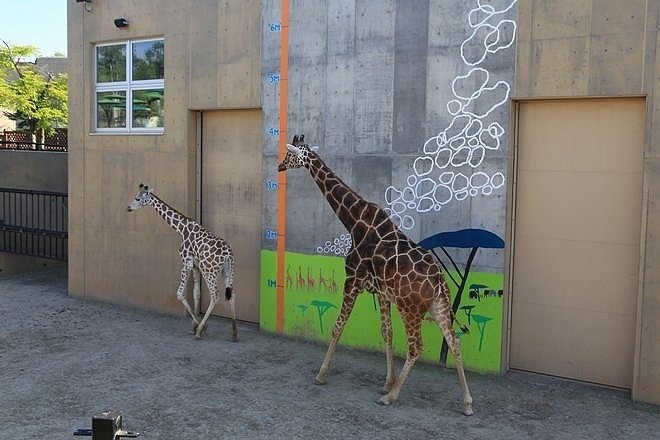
pixel 472 239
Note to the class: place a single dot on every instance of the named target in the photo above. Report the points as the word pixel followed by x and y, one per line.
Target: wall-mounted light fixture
pixel 121 22
pixel 88 7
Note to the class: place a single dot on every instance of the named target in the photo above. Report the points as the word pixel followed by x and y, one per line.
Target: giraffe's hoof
pixel 199 332
pixel 468 411
pixel 234 338
pixel 318 381
pixel 383 401
pixel 198 336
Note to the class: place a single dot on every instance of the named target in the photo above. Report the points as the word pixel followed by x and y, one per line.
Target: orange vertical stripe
pixel 281 193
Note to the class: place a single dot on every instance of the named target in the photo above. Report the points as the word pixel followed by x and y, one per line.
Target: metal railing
pixel 34 223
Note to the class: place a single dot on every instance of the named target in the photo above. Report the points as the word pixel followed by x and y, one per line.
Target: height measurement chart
pixel 281 80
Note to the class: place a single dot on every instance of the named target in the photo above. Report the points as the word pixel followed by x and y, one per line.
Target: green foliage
pixel 37 99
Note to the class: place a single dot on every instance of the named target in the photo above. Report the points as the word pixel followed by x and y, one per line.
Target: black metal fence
pixel 34 223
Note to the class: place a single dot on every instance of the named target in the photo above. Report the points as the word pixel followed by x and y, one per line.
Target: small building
pixel 514 139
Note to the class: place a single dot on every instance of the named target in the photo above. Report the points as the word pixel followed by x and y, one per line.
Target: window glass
pixel 148 108
pixel 148 60
pixel 111 63
pixel 130 87
pixel 111 109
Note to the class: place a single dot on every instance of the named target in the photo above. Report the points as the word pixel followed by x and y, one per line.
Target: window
pixel 129 87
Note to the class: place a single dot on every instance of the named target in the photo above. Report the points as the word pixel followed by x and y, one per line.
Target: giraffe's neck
pixel 172 217
pixel 341 198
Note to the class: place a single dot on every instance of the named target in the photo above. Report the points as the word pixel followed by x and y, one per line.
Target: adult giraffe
pixel 384 261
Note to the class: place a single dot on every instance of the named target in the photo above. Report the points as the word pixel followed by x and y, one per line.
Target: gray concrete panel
pixel 410 63
pixel 374 102
pixel 374 25
pixel 339 113
pixel 370 174
pixel 447 22
pixel 306 98
pixel 308 22
pixel 341 27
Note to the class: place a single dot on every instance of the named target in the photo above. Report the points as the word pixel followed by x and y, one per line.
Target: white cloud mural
pixel 436 179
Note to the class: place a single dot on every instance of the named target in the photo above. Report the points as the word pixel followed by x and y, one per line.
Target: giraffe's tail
pixel 443 303
pixel 463 328
pixel 229 278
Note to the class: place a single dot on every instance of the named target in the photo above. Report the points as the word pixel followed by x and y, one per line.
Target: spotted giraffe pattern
pixel 384 261
pixel 200 251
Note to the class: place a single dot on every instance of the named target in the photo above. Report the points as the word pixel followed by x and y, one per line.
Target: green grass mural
pixel 313 297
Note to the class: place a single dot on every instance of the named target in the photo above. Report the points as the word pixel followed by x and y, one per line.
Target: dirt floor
pixel 63 360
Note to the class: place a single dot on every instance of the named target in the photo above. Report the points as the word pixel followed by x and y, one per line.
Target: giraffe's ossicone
pixel 383 261
pixel 201 252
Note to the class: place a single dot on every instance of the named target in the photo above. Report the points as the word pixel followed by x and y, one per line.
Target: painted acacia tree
pixel 36 99
pixel 472 239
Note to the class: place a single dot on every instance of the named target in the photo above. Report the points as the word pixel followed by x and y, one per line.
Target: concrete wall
pixel 371 83
pixel 408 102
pixel 606 48
pixel 36 170
pixel 211 62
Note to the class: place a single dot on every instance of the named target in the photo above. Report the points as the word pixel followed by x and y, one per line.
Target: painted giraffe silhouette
pixel 300 281
pixel 289 279
pixel 200 251
pixel 386 262
pixel 310 279
pixel 333 284
pixel 322 281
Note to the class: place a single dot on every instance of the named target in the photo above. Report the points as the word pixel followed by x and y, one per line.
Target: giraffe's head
pixel 298 154
pixel 144 197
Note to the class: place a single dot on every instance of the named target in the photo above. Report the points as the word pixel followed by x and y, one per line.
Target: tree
pixel 472 239
pixel 36 99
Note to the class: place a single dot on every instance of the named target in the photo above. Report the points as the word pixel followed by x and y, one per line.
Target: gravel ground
pixel 63 360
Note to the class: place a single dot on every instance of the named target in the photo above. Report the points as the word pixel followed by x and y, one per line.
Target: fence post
pixel 38 139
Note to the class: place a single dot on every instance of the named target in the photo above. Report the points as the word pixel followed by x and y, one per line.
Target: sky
pixel 40 23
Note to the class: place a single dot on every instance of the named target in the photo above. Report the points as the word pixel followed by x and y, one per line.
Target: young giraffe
pixel 385 261
pixel 200 251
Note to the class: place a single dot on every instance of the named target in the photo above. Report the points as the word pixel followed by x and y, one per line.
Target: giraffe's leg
pixel 197 293
pixel 181 291
pixel 350 295
pixel 413 326
pixel 386 332
pixel 212 284
pixel 441 314
pixel 201 328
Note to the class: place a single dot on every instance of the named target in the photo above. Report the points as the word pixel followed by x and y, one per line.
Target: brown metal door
pixel 231 197
pixel 577 233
